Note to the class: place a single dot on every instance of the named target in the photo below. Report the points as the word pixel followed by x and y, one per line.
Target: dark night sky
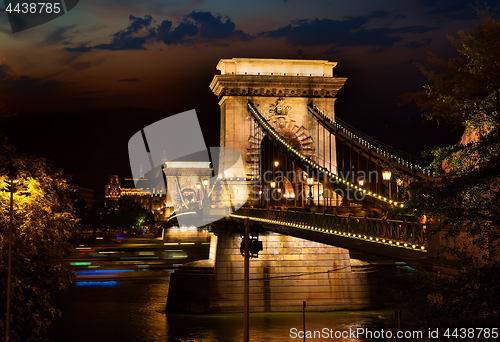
pixel 92 78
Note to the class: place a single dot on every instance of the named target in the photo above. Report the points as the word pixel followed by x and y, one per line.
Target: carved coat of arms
pixel 280 108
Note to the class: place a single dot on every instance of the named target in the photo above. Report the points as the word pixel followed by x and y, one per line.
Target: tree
pixel 125 214
pixel 43 221
pixel 468 300
pixel 130 214
pixel 465 200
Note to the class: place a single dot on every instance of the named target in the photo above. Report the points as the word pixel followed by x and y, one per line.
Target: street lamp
pixel 12 180
pixel 198 187
pixel 310 199
pixel 361 182
pixel 273 185
pixel 276 164
pixel 399 182
pixel 386 175
pixel 205 204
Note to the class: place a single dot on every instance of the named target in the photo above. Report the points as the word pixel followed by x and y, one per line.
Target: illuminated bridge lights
pixel 298 154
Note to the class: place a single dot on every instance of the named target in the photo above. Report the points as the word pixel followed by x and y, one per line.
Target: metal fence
pixel 399 233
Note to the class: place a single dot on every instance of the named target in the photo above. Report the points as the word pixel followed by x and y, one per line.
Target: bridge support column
pixel 288 271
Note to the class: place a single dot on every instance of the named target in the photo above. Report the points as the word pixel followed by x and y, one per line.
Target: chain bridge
pixel 317 186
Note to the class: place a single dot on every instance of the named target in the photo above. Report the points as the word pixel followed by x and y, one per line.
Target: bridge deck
pixel 390 238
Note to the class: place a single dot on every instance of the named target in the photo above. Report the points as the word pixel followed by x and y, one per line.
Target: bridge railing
pixel 405 234
pixel 381 148
pixel 312 165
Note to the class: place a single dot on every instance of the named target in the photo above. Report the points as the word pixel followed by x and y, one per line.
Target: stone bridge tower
pixel 280 89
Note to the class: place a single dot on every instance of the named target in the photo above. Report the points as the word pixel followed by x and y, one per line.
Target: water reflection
pixel 133 310
pixel 267 327
pixel 186 234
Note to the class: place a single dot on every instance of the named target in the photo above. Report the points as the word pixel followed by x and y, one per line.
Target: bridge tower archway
pixel 281 89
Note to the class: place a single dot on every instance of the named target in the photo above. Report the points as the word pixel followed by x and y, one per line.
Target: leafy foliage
pixel 43 221
pixel 465 201
pixel 467 91
pixel 468 300
pixel 125 214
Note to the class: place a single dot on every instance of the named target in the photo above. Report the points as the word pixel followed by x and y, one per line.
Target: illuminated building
pixel 188 179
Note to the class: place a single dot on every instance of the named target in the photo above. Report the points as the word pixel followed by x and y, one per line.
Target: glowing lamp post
pixel 198 187
pixel 273 185
pixel 399 182
pixel 310 199
pixel 276 164
pixel 205 204
pixel 386 175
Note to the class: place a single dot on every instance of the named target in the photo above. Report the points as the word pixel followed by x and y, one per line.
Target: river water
pixel 132 309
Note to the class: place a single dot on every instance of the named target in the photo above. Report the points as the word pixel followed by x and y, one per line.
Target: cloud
pixel 12 82
pixel 59 35
pixel 452 9
pixel 82 65
pixel 200 27
pixel 419 44
pixel 179 35
pixel 195 28
pixel 82 48
pixel 131 38
pixel 345 33
pixel 211 27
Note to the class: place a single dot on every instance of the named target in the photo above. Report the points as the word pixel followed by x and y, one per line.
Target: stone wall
pixel 288 271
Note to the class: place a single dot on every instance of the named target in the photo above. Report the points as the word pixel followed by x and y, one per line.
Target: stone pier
pixel 288 271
